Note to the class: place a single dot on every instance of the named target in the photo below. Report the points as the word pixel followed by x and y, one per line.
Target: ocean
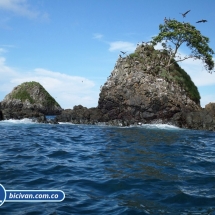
pixel 148 169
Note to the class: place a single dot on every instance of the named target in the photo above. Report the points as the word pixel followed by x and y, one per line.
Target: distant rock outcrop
pixel 28 100
pixel 80 115
pixel 139 89
pixel 210 108
pixel 199 120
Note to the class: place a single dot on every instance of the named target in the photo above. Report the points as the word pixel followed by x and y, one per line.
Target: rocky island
pixel 139 90
pixel 29 100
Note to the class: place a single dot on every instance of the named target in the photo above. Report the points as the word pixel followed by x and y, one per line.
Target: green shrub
pixel 135 54
pixel 149 57
pixel 184 79
pixel 23 95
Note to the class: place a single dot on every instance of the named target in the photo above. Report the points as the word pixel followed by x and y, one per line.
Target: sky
pixel 71 46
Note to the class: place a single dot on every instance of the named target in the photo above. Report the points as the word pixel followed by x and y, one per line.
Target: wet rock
pixel 80 115
pixel 199 120
pixel 41 119
pixel 1 115
pixel 211 108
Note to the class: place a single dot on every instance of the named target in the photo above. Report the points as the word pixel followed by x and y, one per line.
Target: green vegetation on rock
pixel 173 34
pixel 156 60
pixel 23 95
pixel 178 75
pixel 34 93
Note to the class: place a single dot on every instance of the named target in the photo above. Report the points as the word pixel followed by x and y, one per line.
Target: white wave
pixel 66 123
pixel 157 126
pixel 163 126
pixel 18 121
pixel 140 125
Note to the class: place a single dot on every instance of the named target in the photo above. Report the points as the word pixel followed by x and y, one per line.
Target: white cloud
pixel 2 50
pixel 122 46
pixel 97 36
pixel 196 70
pixel 67 90
pixel 5 71
pixel 158 46
pixel 22 8
pixel 206 99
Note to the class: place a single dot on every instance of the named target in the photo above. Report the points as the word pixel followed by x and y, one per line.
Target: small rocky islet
pixel 29 100
pixel 139 90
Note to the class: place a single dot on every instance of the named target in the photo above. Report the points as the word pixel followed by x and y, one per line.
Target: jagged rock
pixel 53 121
pixel 1 115
pixel 199 120
pixel 29 100
pixel 211 108
pixel 80 115
pixel 41 119
pixel 144 91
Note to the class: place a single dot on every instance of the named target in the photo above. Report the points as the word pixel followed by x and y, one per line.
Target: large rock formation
pixel 28 100
pixel 139 89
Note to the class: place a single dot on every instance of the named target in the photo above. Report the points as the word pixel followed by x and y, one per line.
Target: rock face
pixel 29 99
pixel 1 115
pixel 199 120
pixel 80 115
pixel 140 90
pixel 210 108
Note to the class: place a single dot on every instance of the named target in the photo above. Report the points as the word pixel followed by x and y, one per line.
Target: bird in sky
pixel 123 52
pixel 203 20
pixel 184 14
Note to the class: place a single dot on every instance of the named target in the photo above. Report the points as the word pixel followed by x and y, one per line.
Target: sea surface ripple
pixel 149 169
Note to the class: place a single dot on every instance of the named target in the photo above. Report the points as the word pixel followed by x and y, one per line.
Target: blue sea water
pixel 149 169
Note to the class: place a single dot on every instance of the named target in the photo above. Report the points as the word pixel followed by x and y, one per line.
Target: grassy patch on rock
pixel 157 60
pixel 34 93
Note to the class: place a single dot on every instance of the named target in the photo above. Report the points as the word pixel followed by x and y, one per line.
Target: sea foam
pixel 17 121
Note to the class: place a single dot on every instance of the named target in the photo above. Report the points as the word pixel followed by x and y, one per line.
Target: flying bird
pixel 203 20
pixel 123 52
pixel 184 14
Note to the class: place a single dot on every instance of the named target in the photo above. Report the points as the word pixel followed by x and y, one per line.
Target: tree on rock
pixel 173 34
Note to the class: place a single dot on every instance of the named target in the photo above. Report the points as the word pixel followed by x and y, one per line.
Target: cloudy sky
pixel 71 46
